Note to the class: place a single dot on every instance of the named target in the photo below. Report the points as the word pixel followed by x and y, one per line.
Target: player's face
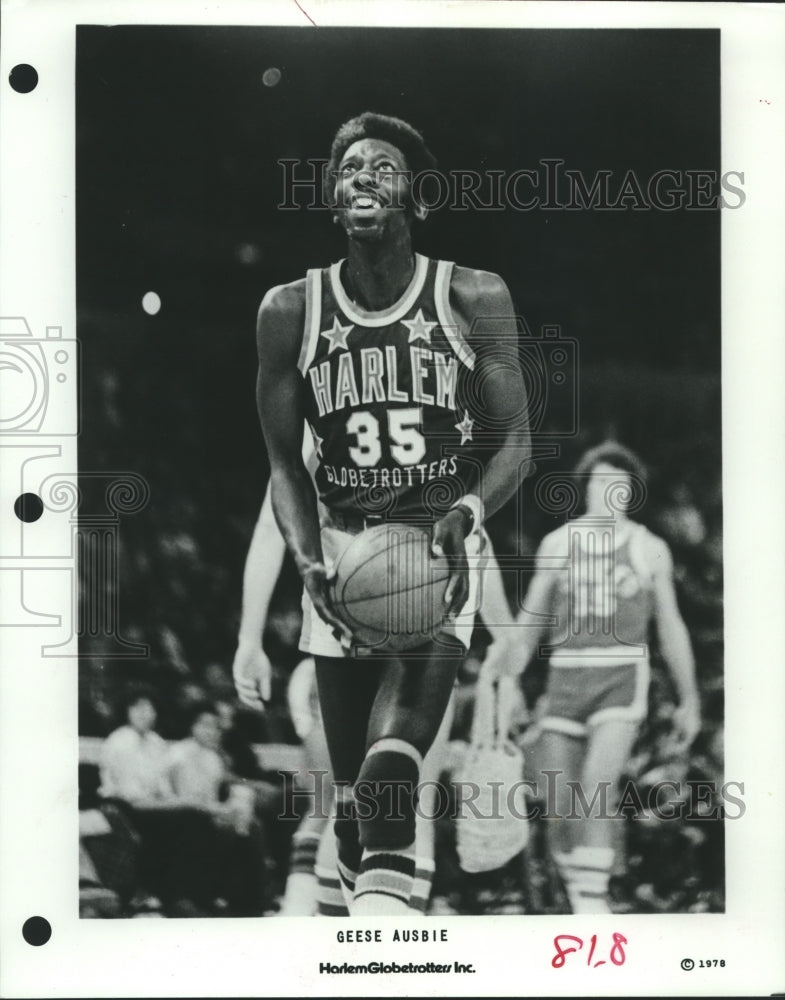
pixel 606 482
pixel 141 715
pixel 372 189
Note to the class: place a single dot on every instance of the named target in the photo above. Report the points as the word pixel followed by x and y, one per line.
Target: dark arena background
pixel 179 136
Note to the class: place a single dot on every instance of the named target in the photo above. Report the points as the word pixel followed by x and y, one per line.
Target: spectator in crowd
pixel 201 781
pixel 134 771
pixel 133 758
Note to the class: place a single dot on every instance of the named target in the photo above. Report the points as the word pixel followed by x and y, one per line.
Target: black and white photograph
pixel 387 518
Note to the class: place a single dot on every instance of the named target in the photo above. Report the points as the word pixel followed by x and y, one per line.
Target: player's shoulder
pixel 473 287
pixel 280 322
pixel 284 301
pixel 555 543
pixel 656 549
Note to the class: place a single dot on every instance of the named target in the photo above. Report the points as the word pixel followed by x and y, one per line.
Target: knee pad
pixel 385 794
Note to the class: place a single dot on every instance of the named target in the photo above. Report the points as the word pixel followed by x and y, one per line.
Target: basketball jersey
pixel 603 598
pixel 383 393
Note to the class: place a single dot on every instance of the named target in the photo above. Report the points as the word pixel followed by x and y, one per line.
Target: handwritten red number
pixel 560 957
pixel 617 955
pixel 617 951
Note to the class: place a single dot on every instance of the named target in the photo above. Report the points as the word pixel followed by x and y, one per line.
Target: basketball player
pixel 603 580
pixel 312 884
pixel 388 356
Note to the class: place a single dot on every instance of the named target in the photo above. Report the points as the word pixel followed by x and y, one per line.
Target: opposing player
pixel 602 580
pixel 406 370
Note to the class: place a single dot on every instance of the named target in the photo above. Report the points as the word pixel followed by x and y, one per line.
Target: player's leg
pixel 560 758
pixel 347 689
pixel 408 710
pixel 609 747
pixel 302 890
pixel 330 899
pixel 432 799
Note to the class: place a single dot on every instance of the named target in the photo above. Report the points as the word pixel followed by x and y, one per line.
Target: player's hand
pixel 316 579
pixel 504 658
pixel 687 722
pixel 449 536
pixel 251 670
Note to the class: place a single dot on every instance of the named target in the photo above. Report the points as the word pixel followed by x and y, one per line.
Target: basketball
pixel 389 588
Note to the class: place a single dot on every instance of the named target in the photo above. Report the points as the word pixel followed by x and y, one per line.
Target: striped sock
pixel 586 872
pixel 387 873
pixel 329 894
pixel 303 854
pixel 349 851
pixel 330 901
pixel 423 880
pixel 348 881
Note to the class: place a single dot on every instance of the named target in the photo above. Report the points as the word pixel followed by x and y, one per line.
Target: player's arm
pixel 497 391
pixel 496 385
pixel 251 668
pixel 279 397
pixel 516 647
pixel 675 643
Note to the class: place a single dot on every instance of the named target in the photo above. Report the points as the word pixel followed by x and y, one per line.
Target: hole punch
pixel 23 78
pixel 36 931
pixel 28 507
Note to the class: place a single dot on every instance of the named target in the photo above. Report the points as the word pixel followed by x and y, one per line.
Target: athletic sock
pixel 303 853
pixel 348 880
pixel 299 897
pixel 586 872
pixel 387 873
pixel 423 880
pixel 330 901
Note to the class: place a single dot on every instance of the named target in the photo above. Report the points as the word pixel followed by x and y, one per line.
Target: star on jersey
pixel 337 336
pixel 317 441
pixel 466 427
pixel 419 327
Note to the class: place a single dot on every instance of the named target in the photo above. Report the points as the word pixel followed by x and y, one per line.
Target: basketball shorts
pixel 579 697
pixel 317 637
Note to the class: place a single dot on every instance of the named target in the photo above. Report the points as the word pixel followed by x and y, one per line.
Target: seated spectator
pixel 174 838
pixel 200 780
pixel 133 758
pixel 194 766
pixel 242 763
